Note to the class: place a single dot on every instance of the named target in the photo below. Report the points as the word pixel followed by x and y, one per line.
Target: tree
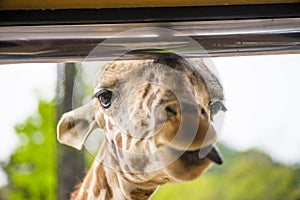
pixel 70 161
pixel 31 169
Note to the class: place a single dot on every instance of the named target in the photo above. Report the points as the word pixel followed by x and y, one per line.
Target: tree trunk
pixel 70 162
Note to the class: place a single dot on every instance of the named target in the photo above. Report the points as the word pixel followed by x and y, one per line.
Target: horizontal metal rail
pixel 69 43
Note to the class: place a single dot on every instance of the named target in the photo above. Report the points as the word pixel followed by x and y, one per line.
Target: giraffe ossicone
pixel 156 117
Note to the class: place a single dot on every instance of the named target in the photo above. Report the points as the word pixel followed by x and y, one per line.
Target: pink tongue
pixel 214 156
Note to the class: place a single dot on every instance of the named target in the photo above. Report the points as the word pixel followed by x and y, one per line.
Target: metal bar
pixel 66 43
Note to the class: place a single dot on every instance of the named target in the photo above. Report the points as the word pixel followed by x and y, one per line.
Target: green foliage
pixel 32 168
pixel 243 176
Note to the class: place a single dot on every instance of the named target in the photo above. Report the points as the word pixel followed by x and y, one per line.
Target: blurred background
pixel 260 140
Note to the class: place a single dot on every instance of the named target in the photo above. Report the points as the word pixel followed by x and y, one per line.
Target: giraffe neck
pixel 104 183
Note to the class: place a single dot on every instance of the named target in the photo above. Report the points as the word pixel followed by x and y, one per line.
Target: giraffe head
pixel 156 115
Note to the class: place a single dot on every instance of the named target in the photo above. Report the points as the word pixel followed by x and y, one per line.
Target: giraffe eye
pixel 216 107
pixel 104 97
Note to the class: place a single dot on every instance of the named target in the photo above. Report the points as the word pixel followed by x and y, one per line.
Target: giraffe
pixel 156 117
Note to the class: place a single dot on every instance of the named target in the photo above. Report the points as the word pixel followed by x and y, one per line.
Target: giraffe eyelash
pixel 217 106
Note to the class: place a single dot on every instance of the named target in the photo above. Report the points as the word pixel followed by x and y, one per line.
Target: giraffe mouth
pixel 196 157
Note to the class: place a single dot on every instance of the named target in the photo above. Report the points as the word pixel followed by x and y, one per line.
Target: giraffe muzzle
pixel 187 128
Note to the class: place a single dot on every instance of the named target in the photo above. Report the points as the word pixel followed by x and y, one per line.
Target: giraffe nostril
pixel 204 113
pixel 171 111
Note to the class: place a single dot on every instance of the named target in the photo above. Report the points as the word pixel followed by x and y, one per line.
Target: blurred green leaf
pixel 32 168
pixel 244 175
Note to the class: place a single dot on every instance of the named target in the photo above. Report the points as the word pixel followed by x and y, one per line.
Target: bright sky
pixel 263 101
pixel 18 84
pixel 262 97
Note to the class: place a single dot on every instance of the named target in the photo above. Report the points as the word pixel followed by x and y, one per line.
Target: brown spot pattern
pixel 119 140
pixel 137 144
pixel 101 183
pixel 128 142
pixel 141 194
pixel 119 144
pixel 146 90
pixel 139 164
pixel 110 126
pixel 152 98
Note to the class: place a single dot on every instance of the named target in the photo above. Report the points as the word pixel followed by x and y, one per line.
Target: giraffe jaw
pixel 189 165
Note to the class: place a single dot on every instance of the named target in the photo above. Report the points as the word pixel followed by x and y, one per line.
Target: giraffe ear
pixel 75 126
